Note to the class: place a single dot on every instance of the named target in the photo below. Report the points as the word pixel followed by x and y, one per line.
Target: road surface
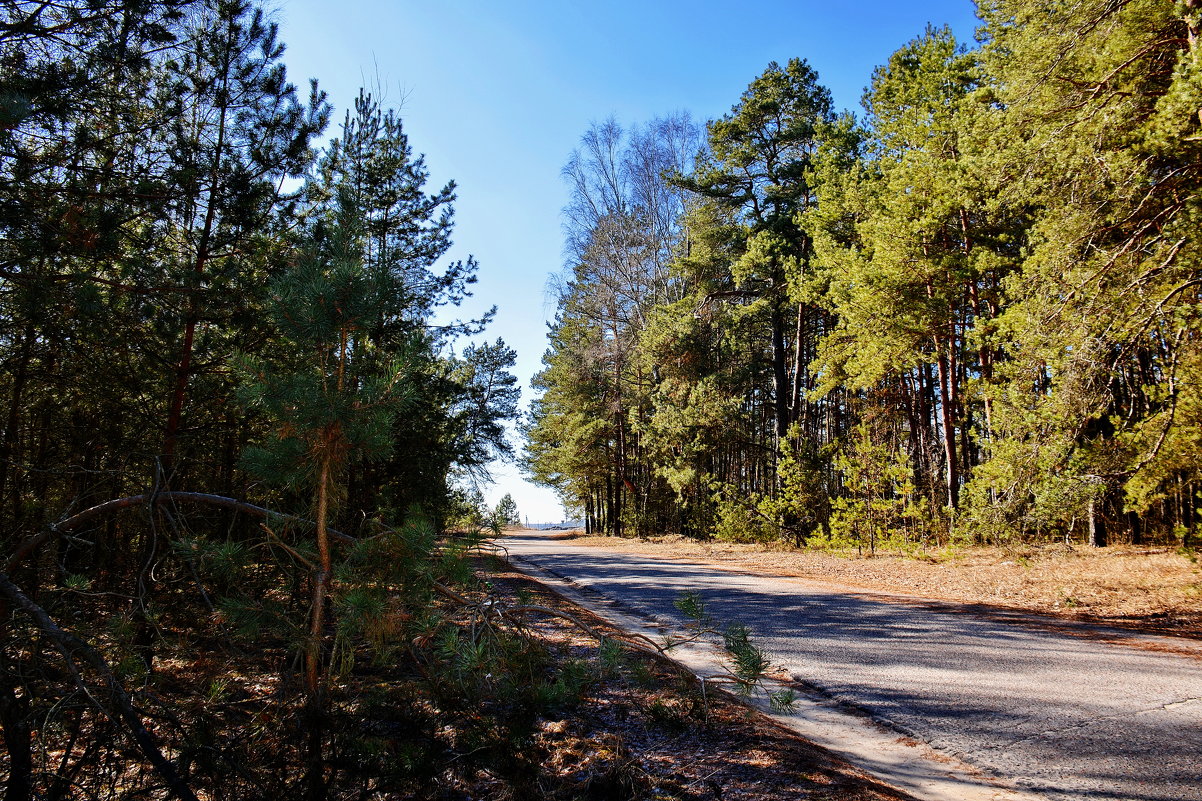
pixel 1059 715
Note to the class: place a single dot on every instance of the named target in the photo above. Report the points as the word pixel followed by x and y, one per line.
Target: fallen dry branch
pixel 105 691
pixel 117 504
pixel 639 642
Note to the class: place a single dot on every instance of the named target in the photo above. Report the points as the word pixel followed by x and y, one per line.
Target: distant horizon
pixel 554 523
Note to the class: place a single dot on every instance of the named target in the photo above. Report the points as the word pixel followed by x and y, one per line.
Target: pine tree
pixel 238 132
pixel 760 171
pixel 917 258
pixel 1097 415
pixel 568 426
pixel 506 512
pixel 405 233
pixel 755 282
pixel 332 404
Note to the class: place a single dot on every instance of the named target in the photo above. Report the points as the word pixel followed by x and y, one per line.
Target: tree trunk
pixel 984 363
pixel 1094 532
pixel 321 582
pixel 183 369
pixel 780 374
pixel 18 741
pixel 608 520
pixel 314 717
pixel 947 418
pixel 796 400
pixel 9 454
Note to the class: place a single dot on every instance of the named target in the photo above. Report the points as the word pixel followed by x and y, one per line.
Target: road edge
pixel 889 756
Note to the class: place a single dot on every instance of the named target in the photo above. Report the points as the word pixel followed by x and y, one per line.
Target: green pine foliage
pixel 226 332
pixel 506 513
pixel 878 505
pixel 1101 321
pixel 335 397
pixel 970 313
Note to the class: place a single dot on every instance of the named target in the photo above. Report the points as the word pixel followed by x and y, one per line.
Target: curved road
pixel 1060 716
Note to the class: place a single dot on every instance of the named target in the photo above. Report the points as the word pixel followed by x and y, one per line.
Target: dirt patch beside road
pixel 1154 590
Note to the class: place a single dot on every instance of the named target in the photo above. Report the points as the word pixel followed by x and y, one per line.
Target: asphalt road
pixel 1058 715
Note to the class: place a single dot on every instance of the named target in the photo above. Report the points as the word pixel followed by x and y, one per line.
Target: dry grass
pixel 1152 589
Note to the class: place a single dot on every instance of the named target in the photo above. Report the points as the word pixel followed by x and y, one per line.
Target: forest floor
pixel 644 732
pixel 1151 589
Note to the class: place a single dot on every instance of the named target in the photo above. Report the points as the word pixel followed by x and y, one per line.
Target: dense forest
pixel 238 419
pixel 971 313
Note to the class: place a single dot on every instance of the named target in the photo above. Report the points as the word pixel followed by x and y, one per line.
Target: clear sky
pixel 496 94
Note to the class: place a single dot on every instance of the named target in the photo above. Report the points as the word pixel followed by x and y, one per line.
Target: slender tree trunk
pixel 620 478
pixel 947 418
pixel 608 520
pixel 984 360
pixel 1134 525
pixel 18 742
pixel 320 581
pixel 966 450
pixel 911 395
pixel 1093 523
pixel 780 374
pixel 315 789
pixel 9 455
pixel 799 367
pixel 183 369
pixel 1191 513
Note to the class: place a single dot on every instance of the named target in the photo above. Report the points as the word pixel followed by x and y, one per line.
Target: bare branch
pixel 117 504
pixel 112 700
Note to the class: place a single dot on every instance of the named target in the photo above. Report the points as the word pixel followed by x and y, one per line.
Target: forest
pixel 243 427
pixel 969 314
pixel 240 419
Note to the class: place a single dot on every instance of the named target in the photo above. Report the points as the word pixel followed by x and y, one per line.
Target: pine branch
pixel 653 646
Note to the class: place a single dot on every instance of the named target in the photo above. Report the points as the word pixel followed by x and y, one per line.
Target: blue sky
pixel 497 94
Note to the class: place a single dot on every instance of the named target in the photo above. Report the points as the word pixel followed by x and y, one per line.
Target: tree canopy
pixel 970 313
pixel 231 422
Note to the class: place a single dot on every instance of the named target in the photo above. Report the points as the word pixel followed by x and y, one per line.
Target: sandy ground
pixel 1152 589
